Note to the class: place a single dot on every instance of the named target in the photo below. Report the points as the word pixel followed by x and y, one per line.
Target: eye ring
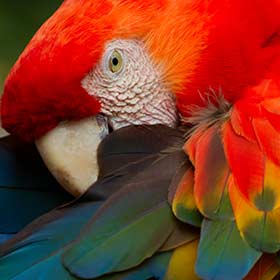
pixel 115 62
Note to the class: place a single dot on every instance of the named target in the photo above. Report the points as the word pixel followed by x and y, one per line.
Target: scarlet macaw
pixel 129 60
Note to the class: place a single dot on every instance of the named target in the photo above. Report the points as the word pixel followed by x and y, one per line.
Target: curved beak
pixel 70 152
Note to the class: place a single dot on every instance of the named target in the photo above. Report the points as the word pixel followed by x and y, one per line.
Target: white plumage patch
pixel 135 94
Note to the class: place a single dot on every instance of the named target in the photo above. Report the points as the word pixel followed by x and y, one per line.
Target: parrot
pixel 160 118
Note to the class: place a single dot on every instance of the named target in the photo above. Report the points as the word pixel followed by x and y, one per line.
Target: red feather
pixel 202 44
pixel 243 40
pixel 44 87
pixel 246 162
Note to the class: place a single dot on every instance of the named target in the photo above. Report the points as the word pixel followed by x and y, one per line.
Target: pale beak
pixel 70 152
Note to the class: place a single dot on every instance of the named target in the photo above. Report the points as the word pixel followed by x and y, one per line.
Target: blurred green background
pixel 19 20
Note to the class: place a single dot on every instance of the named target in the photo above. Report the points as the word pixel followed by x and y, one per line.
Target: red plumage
pixel 228 45
pixel 44 87
pixel 242 43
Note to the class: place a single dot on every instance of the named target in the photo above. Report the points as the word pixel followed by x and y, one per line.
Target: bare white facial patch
pixel 129 87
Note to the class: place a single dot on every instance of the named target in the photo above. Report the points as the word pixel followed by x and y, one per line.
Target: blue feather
pixel 27 189
pixel 39 245
pixel 5 237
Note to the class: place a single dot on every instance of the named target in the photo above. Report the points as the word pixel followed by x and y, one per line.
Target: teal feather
pixel 153 269
pixel 52 268
pixel 222 253
pixel 48 269
pixel 39 244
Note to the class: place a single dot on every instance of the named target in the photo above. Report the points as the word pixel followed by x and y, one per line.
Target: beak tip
pixel 70 153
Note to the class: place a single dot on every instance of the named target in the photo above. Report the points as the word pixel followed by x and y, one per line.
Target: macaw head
pixel 125 61
pixel 109 59
pixel 105 57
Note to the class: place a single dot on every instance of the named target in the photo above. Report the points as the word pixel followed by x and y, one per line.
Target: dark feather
pixel 182 234
pixel 27 189
pixel 135 189
pixel 130 227
pixel 129 151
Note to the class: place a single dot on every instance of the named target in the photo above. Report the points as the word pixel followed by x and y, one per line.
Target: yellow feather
pixel 182 263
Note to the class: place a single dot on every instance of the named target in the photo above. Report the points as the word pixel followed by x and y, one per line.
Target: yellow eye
pixel 115 62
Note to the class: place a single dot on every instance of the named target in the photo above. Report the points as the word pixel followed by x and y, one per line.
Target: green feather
pixel 126 248
pixel 131 226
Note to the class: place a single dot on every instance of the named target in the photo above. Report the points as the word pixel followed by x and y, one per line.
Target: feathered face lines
pixel 44 87
pixel 129 87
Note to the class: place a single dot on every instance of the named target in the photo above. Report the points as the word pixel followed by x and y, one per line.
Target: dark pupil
pixel 115 61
